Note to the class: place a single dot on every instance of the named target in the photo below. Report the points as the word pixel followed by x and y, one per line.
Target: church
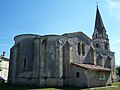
pixel 71 59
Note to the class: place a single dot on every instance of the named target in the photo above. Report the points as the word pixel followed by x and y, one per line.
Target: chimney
pixel 3 53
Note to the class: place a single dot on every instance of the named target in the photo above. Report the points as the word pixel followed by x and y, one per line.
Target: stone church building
pixel 71 59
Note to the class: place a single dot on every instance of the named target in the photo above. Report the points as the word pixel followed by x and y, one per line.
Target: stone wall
pixel 81 79
pixel 21 60
pixel 94 78
pixel 90 78
pixel 4 66
pixel 51 62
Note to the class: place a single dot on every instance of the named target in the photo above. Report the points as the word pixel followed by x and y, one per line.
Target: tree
pixel 118 70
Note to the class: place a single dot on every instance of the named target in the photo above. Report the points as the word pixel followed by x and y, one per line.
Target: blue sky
pixel 57 17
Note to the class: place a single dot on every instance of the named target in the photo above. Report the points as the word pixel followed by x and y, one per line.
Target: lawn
pixel 115 86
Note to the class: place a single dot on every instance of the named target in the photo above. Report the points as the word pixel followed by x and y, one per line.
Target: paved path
pixel 102 87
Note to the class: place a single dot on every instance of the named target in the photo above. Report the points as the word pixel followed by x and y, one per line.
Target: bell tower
pixel 100 37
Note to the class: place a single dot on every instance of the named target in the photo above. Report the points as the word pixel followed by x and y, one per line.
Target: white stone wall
pixel 4 66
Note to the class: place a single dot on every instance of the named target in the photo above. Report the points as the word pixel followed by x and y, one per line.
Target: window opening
pixel 96 35
pixel 101 76
pixel 97 45
pixel 83 49
pixel 24 62
pixel 77 74
pixel 78 48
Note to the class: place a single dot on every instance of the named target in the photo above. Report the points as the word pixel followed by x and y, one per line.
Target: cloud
pixel 114 8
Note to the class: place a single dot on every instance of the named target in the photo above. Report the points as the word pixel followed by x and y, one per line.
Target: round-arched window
pixel 97 45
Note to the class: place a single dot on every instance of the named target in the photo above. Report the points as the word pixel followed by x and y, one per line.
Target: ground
pixel 115 86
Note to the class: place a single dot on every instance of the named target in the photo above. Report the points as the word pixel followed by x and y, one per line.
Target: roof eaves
pixel 93 67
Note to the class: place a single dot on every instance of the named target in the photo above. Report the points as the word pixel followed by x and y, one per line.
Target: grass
pixel 115 86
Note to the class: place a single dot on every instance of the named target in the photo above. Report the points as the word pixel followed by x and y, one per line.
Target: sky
pixel 57 17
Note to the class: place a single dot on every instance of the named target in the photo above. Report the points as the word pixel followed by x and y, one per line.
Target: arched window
pixel 97 45
pixel 24 64
pixel 66 59
pixel 83 49
pixel 45 55
pixel 79 50
pixel 96 35
pixel 106 46
pixel 77 74
pixel 92 51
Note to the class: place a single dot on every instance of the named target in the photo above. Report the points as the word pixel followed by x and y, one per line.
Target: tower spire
pixel 100 38
pixel 98 22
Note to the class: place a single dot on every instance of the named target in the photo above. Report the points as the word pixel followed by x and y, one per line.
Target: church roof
pixel 80 35
pixel 98 22
pixel 92 67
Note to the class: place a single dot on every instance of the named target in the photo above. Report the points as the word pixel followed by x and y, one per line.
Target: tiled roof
pixel 92 67
pixel 4 58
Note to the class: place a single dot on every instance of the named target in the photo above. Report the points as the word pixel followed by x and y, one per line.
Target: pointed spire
pixel 98 22
pixel 100 37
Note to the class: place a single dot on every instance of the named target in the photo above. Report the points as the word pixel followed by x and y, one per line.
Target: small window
pixel 79 49
pixel 101 76
pixel 77 74
pixel 97 45
pixel 106 46
pixel 96 35
pixel 24 63
pixel 83 49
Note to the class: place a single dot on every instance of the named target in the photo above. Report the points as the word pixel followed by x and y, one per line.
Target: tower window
pixel 77 74
pixel 106 46
pixel 97 45
pixel 96 35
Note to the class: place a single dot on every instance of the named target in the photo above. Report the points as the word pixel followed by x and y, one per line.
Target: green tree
pixel 118 70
